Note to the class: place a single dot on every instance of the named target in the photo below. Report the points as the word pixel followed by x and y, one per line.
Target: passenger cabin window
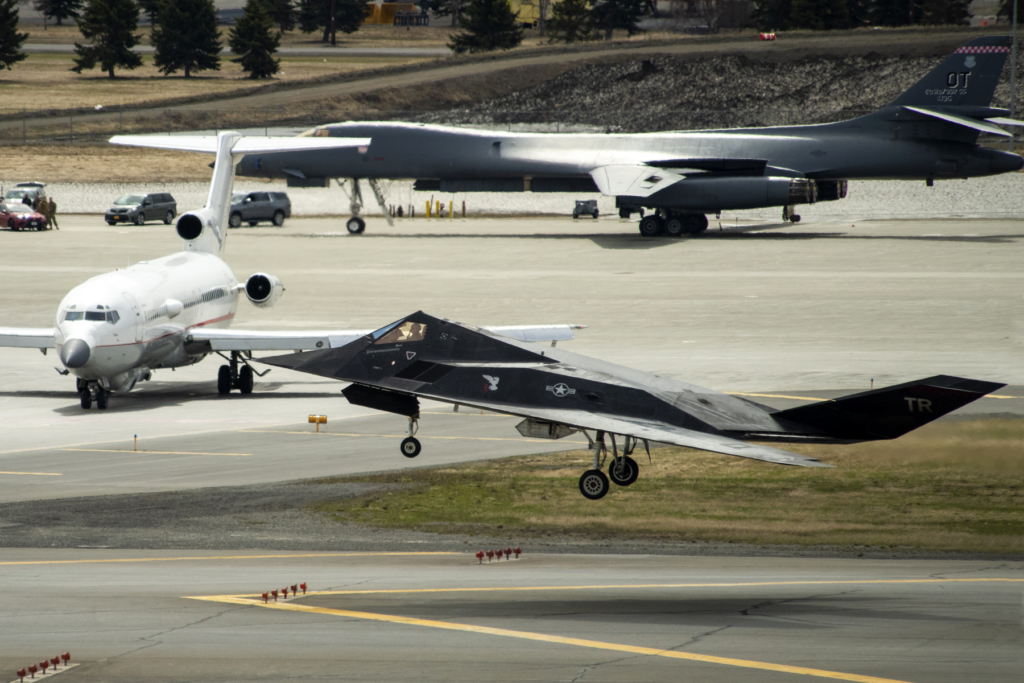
pixel 406 332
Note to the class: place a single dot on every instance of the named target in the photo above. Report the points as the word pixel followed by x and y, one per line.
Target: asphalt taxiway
pixel 443 617
pixel 781 313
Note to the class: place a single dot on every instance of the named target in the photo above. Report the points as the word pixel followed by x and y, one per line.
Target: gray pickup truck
pixel 253 207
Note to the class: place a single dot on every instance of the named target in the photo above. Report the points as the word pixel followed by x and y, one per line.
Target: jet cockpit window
pixel 406 332
pixel 95 316
pixel 74 315
pixel 129 200
pixel 112 317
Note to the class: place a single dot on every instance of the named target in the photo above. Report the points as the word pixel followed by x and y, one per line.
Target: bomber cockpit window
pixel 406 332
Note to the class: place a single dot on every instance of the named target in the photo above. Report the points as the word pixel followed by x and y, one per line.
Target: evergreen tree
pixel 254 40
pixel 946 12
pixel 10 39
pixel 571 21
pixel 772 15
pixel 109 25
pixel 1005 12
pixel 895 12
pixel 282 13
pixel 315 15
pixel 487 25
pixel 609 15
pixel 186 37
pixel 819 15
pixel 58 9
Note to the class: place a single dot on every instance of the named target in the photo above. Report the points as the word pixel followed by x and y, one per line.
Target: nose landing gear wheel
pixel 594 484
pixel 355 225
pixel 86 399
pixel 411 447
pixel 626 474
pixel 101 399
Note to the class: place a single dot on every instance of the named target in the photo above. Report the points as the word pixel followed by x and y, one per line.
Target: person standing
pixel 51 215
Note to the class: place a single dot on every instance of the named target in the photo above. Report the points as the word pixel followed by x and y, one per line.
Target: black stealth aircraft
pixel 560 393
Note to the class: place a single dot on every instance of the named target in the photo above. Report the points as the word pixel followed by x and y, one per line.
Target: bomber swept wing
pixel 560 393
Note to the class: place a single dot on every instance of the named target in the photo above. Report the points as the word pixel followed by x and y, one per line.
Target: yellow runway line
pixel 126 450
pixel 491 589
pixel 559 640
pixel 37 474
pixel 220 557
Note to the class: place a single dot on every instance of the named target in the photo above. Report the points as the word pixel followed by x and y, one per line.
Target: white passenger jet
pixel 115 329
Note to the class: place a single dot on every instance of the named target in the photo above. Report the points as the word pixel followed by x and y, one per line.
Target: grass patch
pixel 955 486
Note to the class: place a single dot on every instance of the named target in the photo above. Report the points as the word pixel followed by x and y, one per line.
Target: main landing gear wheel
pixel 674 227
pixel 224 380
pixel 625 473
pixel 696 223
pixel 86 399
pixel 788 215
pixel 101 399
pixel 650 226
pixel 411 447
pixel 355 225
pixel 594 484
pixel 245 379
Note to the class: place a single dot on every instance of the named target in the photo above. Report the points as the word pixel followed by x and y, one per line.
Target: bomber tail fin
pixel 206 230
pixel 890 412
pixel 967 78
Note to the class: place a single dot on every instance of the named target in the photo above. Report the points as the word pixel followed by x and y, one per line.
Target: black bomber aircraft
pixel 928 133
pixel 560 393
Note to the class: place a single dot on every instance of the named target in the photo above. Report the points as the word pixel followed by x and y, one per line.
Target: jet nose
pixel 75 353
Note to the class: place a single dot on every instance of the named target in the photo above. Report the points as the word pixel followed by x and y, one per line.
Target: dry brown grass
pixel 104 164
pixel 45 81
pixel 954 487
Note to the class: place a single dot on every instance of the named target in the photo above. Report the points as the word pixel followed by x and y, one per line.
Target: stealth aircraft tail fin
pixel 967 78
pixel 890 412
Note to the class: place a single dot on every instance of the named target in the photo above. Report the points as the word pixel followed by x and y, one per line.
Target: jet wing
pixel 638 180
pixel 652 431
pixel 27 337
pixel 246 145
pixel 264 340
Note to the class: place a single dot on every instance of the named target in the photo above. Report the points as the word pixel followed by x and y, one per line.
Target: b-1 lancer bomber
pixel 560 393
pixel 928 133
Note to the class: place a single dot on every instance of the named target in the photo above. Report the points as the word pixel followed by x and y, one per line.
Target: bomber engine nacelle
pixel 263 290
pixel 744 192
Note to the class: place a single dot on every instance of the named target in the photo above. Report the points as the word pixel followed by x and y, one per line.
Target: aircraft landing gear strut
pixel 411 445
pixel 623 469
pixel 237 374
pixel 356 225
pixel 788 215
pixel 89 391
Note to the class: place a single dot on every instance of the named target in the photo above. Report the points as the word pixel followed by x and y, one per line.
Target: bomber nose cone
pixel 75 353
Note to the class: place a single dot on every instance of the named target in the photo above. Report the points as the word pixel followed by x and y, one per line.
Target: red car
pixel 21 217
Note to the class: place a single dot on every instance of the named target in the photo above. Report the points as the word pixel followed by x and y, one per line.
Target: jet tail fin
pixel 206 230
pixel 890 412
pixel 967 78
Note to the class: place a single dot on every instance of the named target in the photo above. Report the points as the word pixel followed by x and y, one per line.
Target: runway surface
pixel 784 314
pixel 161 616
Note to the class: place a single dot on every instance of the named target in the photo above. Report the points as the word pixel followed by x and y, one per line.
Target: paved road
pixel 132 615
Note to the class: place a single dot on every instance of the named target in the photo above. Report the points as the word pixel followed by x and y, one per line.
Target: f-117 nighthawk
pixel 560 393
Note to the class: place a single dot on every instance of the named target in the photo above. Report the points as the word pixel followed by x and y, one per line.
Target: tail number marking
pixel 918 405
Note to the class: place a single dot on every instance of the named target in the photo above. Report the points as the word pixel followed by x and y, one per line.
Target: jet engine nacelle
pixel 707 195
pixel 191 225
pixel 263 290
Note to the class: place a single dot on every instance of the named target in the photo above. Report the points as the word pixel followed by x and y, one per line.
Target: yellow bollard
pixel 437 208
pixel 428 208
pixel 318 420
pixel 451 209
